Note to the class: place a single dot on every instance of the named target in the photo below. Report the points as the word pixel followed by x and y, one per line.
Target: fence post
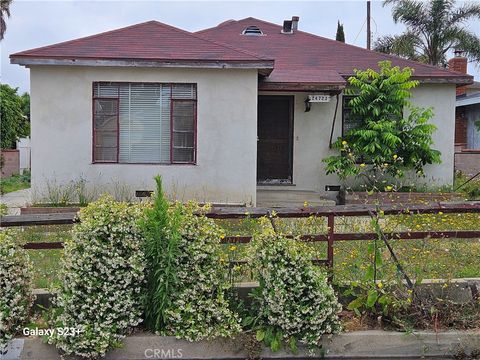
pixel 331 231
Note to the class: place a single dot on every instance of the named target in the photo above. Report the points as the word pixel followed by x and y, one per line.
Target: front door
pixel 275 139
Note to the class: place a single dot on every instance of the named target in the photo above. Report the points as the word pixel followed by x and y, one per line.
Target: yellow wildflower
pixel 233 248
pixel 395 157
pixel 344 142
pixel 380 285
pixel 305 203
pixel 362 165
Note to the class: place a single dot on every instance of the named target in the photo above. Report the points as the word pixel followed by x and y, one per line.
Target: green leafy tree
pixel 393 136
pixel 25 100
pixel 340 33
pixel 4 13
pixel 432 29
pixel 14 122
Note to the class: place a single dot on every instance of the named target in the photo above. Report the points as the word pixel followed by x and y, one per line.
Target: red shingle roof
pixel 298 58
pixel 151 40
pixel 299 54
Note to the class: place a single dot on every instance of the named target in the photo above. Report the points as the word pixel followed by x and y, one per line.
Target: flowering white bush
pixel 200 309
pixel 15 287
pixel 102 279
pixel 295 302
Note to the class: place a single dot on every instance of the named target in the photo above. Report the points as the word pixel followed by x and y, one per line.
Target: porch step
pixel 291 198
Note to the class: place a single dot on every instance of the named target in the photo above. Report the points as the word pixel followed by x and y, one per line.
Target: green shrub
pixel 187 280
pixel 15 287
pixel 393 136
pixel 294 301
pixel 102 279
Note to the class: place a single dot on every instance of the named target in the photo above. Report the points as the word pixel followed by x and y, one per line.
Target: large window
pixel 148 123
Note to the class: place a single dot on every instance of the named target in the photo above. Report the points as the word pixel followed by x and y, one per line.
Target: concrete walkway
pixel 284 197
pixel 15 200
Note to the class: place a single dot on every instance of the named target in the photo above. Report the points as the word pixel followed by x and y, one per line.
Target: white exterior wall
pixel 312 134
pixel 61 132
pixel 61 129
pixel 442 99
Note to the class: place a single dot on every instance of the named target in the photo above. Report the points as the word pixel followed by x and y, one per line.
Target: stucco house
pixel 219 113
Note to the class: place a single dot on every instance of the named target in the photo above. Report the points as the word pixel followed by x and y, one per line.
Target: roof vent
pixel 287 27
pixel 252 31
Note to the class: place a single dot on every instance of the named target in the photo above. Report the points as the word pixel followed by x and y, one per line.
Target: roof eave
pixel 300 86
pixel 459 80
pixel 467 101
pixel 265 67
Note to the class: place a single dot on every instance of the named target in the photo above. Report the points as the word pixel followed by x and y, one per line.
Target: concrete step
pixel 291 198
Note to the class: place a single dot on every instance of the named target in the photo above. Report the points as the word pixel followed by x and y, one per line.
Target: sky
pixel 39 23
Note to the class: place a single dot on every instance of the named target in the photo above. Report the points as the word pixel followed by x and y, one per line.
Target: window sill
pixel 149 164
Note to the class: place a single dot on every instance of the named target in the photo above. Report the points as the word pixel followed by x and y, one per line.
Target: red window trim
pixel 194 162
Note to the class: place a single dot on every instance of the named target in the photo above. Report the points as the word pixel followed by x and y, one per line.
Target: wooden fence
pixel 330 212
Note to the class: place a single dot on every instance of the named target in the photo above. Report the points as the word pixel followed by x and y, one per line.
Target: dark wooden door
pixel 275 139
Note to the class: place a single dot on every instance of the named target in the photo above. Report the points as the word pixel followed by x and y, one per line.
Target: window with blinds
pixel 144 123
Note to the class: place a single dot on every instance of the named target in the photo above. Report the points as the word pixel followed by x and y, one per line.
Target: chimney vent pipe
pixel 295 20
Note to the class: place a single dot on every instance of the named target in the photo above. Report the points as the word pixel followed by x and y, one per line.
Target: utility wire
pixel 356 37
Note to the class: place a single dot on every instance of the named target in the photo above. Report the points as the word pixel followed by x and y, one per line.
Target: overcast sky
pixel 38 23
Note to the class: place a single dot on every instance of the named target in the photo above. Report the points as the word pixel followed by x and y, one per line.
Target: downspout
pixel 333 123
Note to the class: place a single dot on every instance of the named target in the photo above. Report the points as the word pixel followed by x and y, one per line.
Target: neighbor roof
pixel 299 54
pixel 151 41
pixel 465 100
pixel 474 86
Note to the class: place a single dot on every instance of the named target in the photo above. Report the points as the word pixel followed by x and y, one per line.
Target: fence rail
pixel 330 212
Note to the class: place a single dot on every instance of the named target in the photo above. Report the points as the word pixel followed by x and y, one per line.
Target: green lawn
pixel 46 263
pixel 14 183
pixel 429 258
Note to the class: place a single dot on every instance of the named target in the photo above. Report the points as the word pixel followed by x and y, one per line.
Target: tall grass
pixel 161 231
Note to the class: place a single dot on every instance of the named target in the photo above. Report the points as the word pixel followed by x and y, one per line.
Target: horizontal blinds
pixel 140 123
pixel 145 133
pixel 184 91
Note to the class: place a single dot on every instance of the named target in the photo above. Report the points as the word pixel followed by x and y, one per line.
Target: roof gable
pixel 149 41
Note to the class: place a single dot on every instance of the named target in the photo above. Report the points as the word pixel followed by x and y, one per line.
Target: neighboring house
pixel 467 122
pixel 215 112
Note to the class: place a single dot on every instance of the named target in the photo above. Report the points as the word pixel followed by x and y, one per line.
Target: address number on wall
pixel 319 98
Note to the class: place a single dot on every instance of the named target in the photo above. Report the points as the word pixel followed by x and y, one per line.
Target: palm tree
pixel 433 28
pixel 4 13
